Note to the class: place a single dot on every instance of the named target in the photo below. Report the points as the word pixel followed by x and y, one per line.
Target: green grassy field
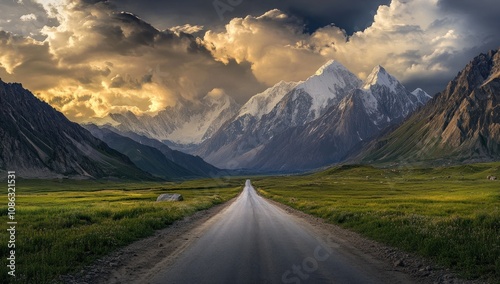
pixel 64 225
pixel 451 215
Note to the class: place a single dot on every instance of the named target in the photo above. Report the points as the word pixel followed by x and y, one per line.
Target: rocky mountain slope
pixel 39 142
pixel 461 124
pixel 156 157
pixel 147 158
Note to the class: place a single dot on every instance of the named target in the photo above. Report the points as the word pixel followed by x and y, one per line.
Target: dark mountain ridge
pixel 39 142
pixel 460 124
pixel 153 156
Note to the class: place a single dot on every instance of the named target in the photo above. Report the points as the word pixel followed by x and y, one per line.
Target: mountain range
pixel 309 124
pixel 40 142
pixel 460 125
pixel 188 122
pixel 154 156
pixel 331 117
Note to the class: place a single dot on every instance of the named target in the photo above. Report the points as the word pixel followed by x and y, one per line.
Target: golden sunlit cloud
pixel 95 60
pixel 407 37
pixel 98 61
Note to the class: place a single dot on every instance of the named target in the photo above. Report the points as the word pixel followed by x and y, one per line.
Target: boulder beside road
pixel 170 197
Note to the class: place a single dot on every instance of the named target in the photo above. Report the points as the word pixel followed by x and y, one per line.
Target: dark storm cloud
pixel 482 23
pixel 482 16
pixel 481 13
pixel 130 60
pixel 24 18
pixel 349 15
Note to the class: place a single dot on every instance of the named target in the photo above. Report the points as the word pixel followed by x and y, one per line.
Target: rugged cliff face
pixel 39 142
pixel 461 124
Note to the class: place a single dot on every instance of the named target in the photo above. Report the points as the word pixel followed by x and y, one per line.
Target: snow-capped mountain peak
pixel 331 111
pixel 421 95
pixel 264 102
pixel 328 85
pixel 379 76
pixel 386 99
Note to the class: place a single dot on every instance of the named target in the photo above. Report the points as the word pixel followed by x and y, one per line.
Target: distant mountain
pixel 188 122
pixel 298 126
pixel 263 103
pixel 153 156
pixel 382 101
pixel 461 124
pixel 275 110
pixel 39 142
pixel 147 158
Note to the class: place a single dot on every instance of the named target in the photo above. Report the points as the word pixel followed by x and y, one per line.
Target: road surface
pixel 254 241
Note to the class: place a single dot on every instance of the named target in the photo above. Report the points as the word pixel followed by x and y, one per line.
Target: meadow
pixel 64 225
pixel 451 215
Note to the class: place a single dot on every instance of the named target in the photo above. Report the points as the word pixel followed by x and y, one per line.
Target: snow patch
pixel 421 96
pixel 379 76
pixel 263 103
pixel 370 102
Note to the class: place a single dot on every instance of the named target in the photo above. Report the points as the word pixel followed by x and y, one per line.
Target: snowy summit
pixel 379 76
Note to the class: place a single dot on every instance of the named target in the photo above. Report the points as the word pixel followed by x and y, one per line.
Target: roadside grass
pixel 451 215
pixel 65 225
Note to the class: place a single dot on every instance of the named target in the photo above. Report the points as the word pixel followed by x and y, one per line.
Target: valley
pixel 447 215
pixel 283 153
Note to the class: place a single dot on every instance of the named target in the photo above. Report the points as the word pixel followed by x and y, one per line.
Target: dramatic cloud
pixel 98 61
pixel 87 58
pixel 350 15
pixel 25 18
pixel 415 40
pixel 269 43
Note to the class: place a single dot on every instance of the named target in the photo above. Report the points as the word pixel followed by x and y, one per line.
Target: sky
pixel 89 58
